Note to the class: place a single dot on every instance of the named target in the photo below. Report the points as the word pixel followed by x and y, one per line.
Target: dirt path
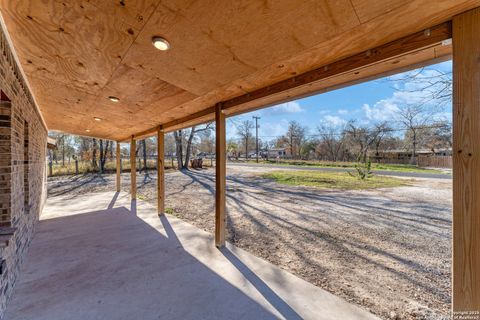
pixel 387 250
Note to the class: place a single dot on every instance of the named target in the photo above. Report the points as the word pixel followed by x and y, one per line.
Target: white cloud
pixel 287 107
pixel 335 121
pixel 411 89
pixel 342 111
pixel 382 110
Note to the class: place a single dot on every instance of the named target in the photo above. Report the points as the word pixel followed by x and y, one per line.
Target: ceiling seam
pixel 130 46
pixel 355 11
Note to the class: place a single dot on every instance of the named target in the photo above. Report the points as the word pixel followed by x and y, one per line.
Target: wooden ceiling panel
pixel 214 42
pixel 134 13
pixel 367 9
pixel 136 88
pixel 76 53
pixel 72 42
pixel 259 32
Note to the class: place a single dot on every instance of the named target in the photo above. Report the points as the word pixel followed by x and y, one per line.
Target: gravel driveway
pixel 388 250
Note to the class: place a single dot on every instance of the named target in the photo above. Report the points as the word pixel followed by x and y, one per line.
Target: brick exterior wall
pixel 22 168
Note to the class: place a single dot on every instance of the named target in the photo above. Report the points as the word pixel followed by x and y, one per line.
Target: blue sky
pixel 367 103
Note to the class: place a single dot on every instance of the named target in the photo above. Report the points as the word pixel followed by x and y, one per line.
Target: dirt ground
pixel 387 250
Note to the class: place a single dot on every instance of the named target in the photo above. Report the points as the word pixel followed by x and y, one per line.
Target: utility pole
pixel 256 134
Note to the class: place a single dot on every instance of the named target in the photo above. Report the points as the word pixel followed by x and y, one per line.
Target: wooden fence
pixel 435 161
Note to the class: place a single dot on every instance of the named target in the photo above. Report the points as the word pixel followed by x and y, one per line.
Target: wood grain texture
pixel 77 53
pixel 466 161
pixel 214 42
pixel 413 51
pixel 133 168
pixel 367 10
pixel 416 41
pixel 118 167
pixel 160 171
pixel 220 176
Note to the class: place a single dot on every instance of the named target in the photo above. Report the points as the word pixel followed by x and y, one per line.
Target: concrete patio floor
pixel 101 256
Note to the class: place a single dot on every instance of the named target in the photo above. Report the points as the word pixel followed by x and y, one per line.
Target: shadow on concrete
pixel 133 206
pixel 114 199
pixel 278 303
pixel 119 267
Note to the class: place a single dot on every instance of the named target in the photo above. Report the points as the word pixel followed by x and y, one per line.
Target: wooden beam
pixel 118 167
pixel 220 175
pixel 414 42
pixel 169 126
pixel 466 162
pixel 160 171
pixel 354 67
pixel 348 71
pixel 133 168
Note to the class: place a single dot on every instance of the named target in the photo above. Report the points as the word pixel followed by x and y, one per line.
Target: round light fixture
pixel 97 119
pixel 160 43
pixel 113 99
pixel 88 130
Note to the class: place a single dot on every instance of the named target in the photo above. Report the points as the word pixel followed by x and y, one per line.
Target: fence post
pixel 50 168
pixel 76 166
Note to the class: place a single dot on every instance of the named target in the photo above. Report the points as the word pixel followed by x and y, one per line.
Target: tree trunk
pixel 179 148
pixel 63 151
pixel 188 152
pixel 94 153
pixel 414 151
pixel 111 150
pixel 101 156
pixel 144 150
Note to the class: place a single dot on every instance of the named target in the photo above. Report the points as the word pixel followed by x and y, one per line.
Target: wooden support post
pixel 466 162
pixel 133 168
pixel 160 171
pixel 118 166
pixel 220 176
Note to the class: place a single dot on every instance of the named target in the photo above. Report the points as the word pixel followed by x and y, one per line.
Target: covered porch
pixel 102 256
pixel 92 68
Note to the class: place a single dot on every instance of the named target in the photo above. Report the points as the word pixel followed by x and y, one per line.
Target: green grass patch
pixel 333 180
pixel 331 164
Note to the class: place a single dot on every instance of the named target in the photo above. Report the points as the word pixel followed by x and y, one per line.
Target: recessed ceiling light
pixel 88 130
pixel 113 99
pixel 160 43
pixel 97 119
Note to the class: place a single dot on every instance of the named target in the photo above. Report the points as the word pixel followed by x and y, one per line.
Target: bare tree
pixel 179 144
pixel 332 140
pixel 103 154
pixel 295 137
pixel 414 118
pixel 363 137
pixel 383 131
pixel 245 131
pixel 431 85
pixel 144 153
pixel 179 148
pixel 433 91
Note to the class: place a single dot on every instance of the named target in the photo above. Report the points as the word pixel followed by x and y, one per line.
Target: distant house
pixel 404 156
pixel 276 152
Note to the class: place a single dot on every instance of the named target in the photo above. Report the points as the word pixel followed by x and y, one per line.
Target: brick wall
pixel 22 169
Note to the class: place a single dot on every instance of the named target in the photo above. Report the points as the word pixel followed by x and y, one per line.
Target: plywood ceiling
pixel 77 53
